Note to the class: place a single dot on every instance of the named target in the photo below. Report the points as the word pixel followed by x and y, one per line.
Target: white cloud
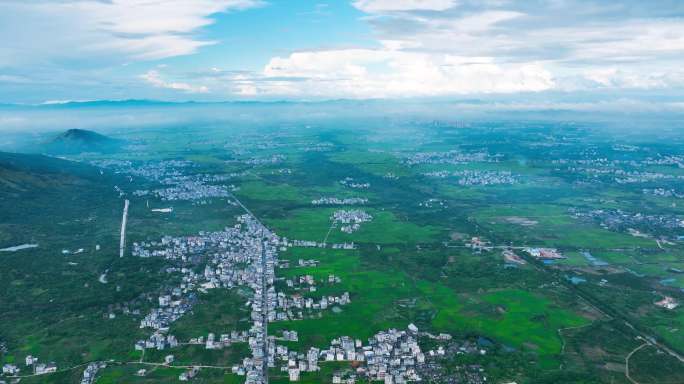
pixel 377 6
pixel 154 77
pixel 153 17
pixel 406 66
pixel 422 48
pixel 368 73
pixel 595 45
pixel 628 79
pixel 478 22
pixel 47 31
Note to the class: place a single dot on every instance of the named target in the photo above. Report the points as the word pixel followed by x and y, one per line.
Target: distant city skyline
pixel 206 50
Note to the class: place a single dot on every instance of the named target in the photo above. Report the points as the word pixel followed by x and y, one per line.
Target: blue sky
pixel 54 50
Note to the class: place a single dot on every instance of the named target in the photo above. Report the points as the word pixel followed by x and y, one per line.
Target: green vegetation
pixel 417 261
pixel 385 228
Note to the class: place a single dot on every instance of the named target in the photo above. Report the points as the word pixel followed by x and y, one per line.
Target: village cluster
pixel 318 147
pixel 468 177
pixel 621 171
pixel 308 282
pixel 32 364
pixel 192 190
pixel 392 357
pixel 633 223
pixel 433 203
pixel 269 160
pixel 662 192
pixel 196 188
pixel 160 171
pixel 298 307
pixel 316 244
pixel 351 183
pixel 669 160
pixel 90 372
pixel 389 356
pixel 338 201
pixel 199 188
pixel 241 256
pixel 351 219
pixel 449 157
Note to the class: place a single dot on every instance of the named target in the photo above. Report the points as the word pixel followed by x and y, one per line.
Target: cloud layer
pixel 154 78
pixel 378 6
pixel 49 32
pixel 444 47
pixel 415 48
pixel 396 73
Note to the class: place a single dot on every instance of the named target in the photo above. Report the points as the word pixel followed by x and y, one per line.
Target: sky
pixel 212 50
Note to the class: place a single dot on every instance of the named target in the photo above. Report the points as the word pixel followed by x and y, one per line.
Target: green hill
pixel 44 197
pixel 26 173
pixel 74 141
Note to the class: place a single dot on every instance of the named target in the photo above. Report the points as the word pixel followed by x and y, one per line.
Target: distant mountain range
pixel 151 103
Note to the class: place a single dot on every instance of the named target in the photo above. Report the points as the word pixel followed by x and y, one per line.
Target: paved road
pixel 264 294
pixel 264 311
pixel 627 362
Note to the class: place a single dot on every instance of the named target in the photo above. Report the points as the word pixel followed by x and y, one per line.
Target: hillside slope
pixel 23 173
pixel 74 141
